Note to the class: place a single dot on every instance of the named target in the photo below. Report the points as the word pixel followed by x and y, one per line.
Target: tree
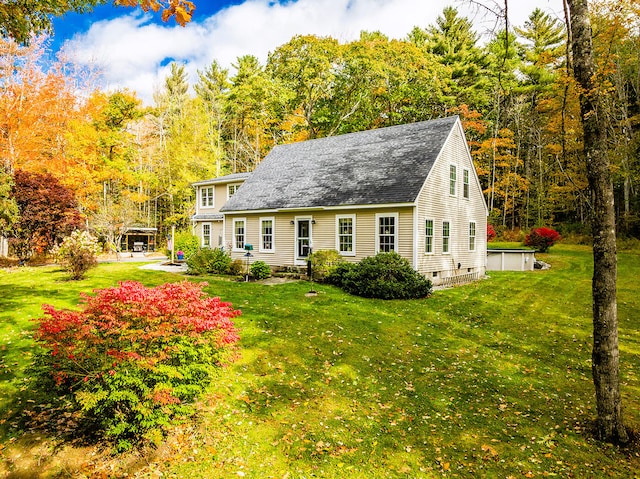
pixel 48 212
pixel 19 19
pixel 605 355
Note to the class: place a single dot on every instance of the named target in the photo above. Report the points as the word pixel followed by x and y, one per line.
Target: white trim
pixel 301 260
pixel 202 236
pixel 353 234
pixel 203 197
pixel 475 235
pixel 395 229
pixel 261 247
pixel 449 243
pixel 455 181
pixel 234 246
pixel 467 184
pixel 433 236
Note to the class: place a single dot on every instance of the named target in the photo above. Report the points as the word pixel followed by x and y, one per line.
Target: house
pixel 211 195
pixel 410 188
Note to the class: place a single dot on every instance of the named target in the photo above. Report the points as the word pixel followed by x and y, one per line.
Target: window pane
pixel 345 235
pixel 267 234
pixel 452 179
pixel 428 245
pixel 239 234
pixel 387 233
pixel 465 183
pixel 445 236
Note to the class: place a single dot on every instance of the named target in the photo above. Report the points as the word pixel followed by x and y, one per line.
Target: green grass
pixel 490 379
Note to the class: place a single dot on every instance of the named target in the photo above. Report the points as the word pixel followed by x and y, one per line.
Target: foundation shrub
pixel 260 270
pixel 209 261
pixel 383 276
pixel 324 263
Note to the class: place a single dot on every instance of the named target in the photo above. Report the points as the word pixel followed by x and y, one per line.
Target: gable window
pixel 239 234
pixel 231 190
pixel 472 236
pixel 446 236
pixel 428 236
pixel 465 183
pixel 346 237
pixel 387 236
pixel 206 235
pixel 266 234
pixel 453 179
pixel 206 197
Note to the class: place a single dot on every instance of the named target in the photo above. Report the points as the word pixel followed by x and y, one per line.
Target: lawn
pixel 491 379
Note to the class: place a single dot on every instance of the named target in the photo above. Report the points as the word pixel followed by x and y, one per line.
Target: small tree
pixel 48 212
pixel 78 253
pixel 134 358
pixel 542 239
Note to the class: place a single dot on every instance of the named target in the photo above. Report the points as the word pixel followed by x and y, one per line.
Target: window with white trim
pixel 346 234
pixel 453 179
pixel 266 234
pixel 465 183
pixel 387 234
pixel 206 197
pixel 472 236
pixel 239 231
pixel 206 235
pixel 428 236
pixel 446 236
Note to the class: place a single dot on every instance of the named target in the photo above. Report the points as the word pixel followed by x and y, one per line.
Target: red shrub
pixel 542 239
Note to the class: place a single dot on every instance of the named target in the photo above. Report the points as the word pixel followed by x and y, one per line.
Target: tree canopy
pixel 19 19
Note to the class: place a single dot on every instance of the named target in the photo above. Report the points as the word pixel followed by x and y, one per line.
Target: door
pixel 303 238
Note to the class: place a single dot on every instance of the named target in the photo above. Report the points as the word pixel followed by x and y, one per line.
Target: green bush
pixel 384 276
pixel 236 267
pixel 78 253
pixel 324 262
pixel 260 270
pixel 209 261
pixel 186 242
pixel 134 359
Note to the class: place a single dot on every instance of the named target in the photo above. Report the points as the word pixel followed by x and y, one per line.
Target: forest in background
pixel 129 164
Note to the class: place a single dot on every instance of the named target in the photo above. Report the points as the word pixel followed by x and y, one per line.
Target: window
pixel 238 234
pixel 266 234
pixel 345 240
pixel 465 183
pixel 446 235
pixel 387 232
pixel 231 190
pixel 453 178
pixel 206 235
pixel 472 236
pixel 206 197
pixel 428 236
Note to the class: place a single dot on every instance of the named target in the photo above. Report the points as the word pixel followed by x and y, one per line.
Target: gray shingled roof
pixel 382 166
pixel 223 179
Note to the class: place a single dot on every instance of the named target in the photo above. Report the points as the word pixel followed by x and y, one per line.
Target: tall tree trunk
pixel 605 355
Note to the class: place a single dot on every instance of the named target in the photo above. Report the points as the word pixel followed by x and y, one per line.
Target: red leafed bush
pixel 135 358
pixel 491 232
pixel 542 239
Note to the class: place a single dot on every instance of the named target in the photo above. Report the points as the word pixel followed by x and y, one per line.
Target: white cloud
pixel 133 52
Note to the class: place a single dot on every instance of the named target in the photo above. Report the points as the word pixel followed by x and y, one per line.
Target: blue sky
pixel 132 49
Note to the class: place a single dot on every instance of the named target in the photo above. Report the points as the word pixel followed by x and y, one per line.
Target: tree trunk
pixel 605 355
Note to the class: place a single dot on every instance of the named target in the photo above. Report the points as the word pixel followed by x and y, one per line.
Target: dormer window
pixel 206 197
